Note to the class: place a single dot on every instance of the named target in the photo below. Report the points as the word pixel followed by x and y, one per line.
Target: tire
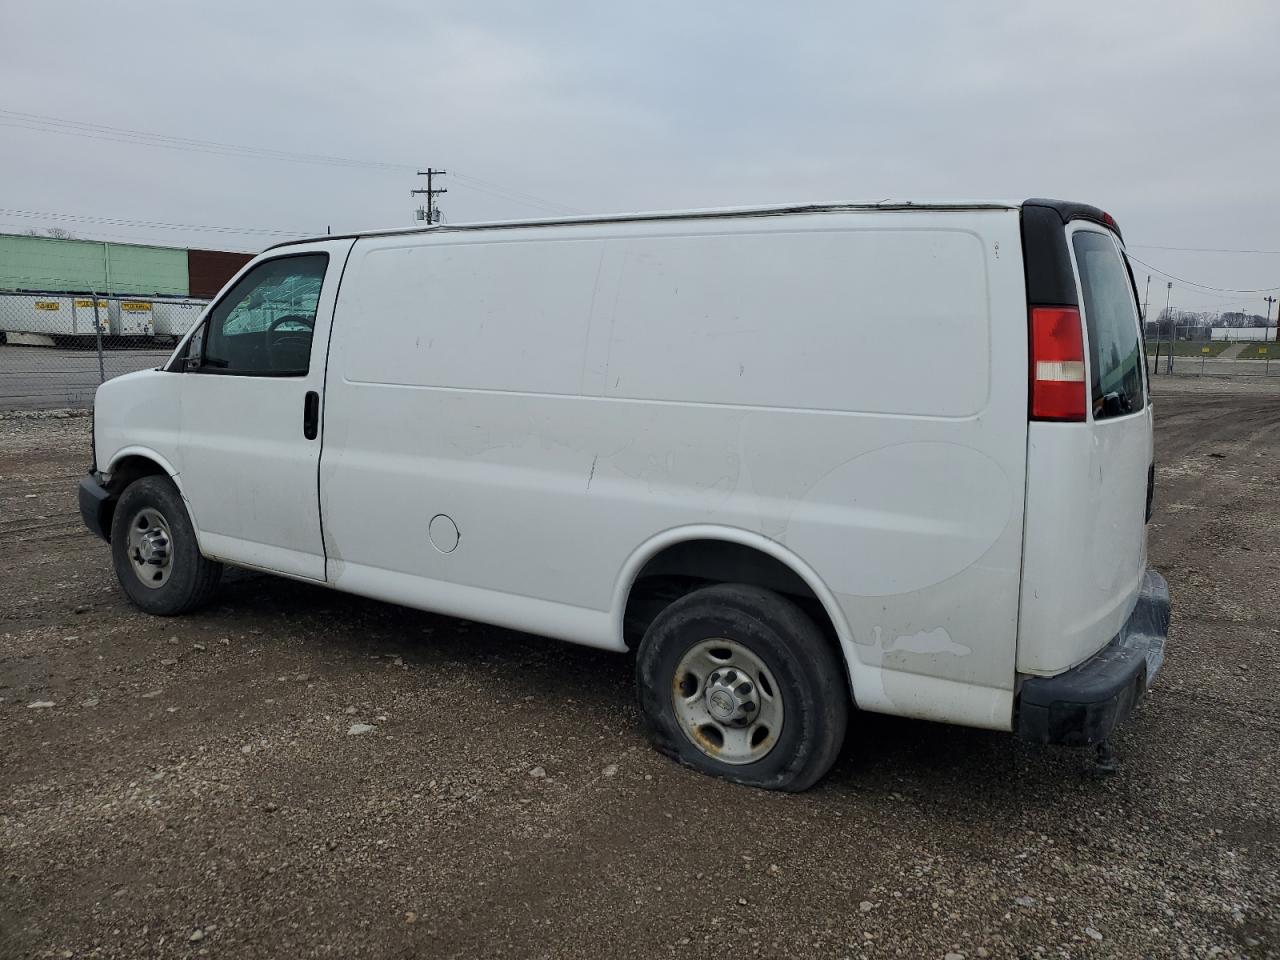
pixel 776 655
pixel 180 579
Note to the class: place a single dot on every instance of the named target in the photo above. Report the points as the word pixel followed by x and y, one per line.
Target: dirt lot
pixel 194 790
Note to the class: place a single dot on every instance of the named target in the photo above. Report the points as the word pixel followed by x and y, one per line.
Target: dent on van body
pixel 915 556
pixel 959 631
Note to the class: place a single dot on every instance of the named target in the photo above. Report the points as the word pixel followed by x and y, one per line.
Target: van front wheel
pixel 737 681
pixel 154 550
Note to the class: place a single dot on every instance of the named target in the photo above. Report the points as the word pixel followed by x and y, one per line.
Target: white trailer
pixel 132 318
pixel 49 319
pixel 173 318
pixel 84 312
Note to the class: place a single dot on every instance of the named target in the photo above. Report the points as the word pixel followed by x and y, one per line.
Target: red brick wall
pixel 209 270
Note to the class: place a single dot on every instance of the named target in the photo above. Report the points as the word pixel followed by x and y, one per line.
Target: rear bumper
pixel 97 505
pixel 1084 705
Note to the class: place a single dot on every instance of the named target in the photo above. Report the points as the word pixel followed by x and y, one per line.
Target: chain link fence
pixel 55 348
pixel 1213 351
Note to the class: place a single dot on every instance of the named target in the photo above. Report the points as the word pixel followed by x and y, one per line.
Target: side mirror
pixel 191 360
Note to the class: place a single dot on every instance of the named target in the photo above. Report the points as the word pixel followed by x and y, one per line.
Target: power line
pixel 1215 297
pixel 104 132
pixel 1203 286
pixel 99 131
pixel 138 141
pixel 548 206
pixel 509 193
pixel 153 224
pixel 1150 246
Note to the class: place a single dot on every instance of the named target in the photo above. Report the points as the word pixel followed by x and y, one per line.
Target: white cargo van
pixel 801 460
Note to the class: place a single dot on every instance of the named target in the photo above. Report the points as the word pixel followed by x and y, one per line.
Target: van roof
pixel 773 210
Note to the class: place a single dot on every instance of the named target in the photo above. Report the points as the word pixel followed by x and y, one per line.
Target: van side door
pixel 252 395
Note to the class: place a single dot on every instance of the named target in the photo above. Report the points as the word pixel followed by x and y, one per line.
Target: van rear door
pixel 1089 442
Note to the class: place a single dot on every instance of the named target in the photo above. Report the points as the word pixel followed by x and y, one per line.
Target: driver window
pixel 264 325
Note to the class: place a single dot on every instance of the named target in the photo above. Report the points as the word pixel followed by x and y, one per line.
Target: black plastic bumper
pixel 1084 705
pixel 97 506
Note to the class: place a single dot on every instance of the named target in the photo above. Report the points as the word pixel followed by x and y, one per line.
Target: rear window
pixel 1115 349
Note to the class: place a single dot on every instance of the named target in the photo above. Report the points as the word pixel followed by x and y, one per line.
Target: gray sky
pixel 1167 114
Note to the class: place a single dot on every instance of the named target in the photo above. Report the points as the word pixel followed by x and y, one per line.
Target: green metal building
pixel 46 264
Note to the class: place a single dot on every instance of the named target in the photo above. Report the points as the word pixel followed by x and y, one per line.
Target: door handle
pixel 311 415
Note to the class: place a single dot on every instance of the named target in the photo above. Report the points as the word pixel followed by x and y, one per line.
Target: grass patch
pixel 1188 348
pixel 1260 351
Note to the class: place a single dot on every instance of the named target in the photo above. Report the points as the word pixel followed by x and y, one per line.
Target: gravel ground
pixel 198 786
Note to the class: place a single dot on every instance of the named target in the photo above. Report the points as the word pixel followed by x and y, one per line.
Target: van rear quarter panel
pixel 1086 542
pixel 850 386
pixel 1085 551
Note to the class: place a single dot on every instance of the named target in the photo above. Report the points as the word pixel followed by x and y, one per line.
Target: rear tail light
pixel 1057 364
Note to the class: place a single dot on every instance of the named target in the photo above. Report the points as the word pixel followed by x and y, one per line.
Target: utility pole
pixel 1147 357
pixel 1168 315
pixel 432 214
pixel 1269 300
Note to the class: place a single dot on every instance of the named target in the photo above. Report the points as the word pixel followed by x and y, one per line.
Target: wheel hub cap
pixel 154 547
pixel 150 547
pixel 731 697
pixel 727 702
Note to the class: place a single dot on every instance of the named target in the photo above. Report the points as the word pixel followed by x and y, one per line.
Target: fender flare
pixel 136 450
pixel 706 531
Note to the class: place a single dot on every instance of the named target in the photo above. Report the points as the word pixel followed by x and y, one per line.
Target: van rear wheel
pixel 739 682
pixel 154 550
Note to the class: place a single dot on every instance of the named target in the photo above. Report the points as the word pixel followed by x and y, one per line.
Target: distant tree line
pixel 56 232
pixel 1198 324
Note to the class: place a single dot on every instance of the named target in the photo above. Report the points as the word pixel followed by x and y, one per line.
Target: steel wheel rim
pixel 150 548
pixel 727 702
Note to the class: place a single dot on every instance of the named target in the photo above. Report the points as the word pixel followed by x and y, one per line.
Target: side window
pixel 1111 320
pixel 264 325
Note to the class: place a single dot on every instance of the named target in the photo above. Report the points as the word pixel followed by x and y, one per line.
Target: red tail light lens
pixel 1057 364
